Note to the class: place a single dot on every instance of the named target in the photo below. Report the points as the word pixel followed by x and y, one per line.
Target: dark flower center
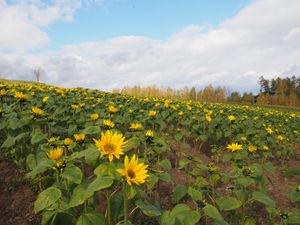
pixel 131 173
pixel 110 148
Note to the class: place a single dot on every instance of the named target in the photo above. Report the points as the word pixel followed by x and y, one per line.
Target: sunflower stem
pixel 57 177
pixel 145 152
pixel 108 211
pixel 125 202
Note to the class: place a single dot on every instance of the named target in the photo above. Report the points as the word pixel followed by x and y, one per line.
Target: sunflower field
pixel 112 159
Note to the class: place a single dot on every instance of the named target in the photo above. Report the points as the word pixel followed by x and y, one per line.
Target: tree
pixel 38 71
pixel 264 85
pixel 193 93
pixel 247 97
pixel 234 97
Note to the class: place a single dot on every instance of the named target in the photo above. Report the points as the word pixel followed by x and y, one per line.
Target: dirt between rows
pixel 16 197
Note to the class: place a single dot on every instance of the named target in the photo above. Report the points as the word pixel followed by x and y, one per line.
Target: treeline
pixel 209 93
pixel 279 91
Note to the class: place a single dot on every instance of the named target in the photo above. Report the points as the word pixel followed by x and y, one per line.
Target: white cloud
pixel 262 39
pixel 22 22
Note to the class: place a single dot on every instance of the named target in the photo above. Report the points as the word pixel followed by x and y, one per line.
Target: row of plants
pixel 102 158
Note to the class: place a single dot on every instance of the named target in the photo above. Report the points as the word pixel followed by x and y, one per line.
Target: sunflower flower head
pixel 152 113
pixel 52 140
pixel 94 116
pixel 266 148
pixel 68 141
pixel 111 144
pixel 234 147
pixel 181 113
pixel 3 92
pixel 269 130
pixel 112 109
pixel 37 111
pixel 149 133
pixel 21 96
pixel 75 107
pixel 280 138
pixel 108 124
pixel 136 126
pixel 55 153
pixel 252 148
pixel 244 138
pixel 45 99
pixel 231 117
pixel 208 118
pixel 79 137
pixel 133 171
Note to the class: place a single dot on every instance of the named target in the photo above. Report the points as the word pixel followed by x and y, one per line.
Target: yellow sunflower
pixel 149 133
pixel 280 138
pixel 55 153
pixel 21 96
pixel 37 111
pixel 112 109
pixel 108 123
pixel 234 147
pixel 94 116
pixel 136 126
pixel 231 117
pixel 269 130
pixel 79 137
pixel 68 141
pixel 252 148
pixel 208 118
pixel 111 144
pixel 45 99
pixel 133 171
pixel 152 113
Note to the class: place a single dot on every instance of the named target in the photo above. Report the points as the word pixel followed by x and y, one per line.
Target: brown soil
pixel 16 197
pixel 278 185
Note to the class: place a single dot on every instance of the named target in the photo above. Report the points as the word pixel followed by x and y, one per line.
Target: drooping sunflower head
pixel 111 144
pixel 133 171
pixel 149 136
pixel 55 153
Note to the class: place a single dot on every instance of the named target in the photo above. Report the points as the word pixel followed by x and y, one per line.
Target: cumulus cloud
pixel 22 22
pixel 262 39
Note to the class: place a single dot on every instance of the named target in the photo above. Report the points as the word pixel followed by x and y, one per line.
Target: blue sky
pixel 109 44
pixel 156 19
